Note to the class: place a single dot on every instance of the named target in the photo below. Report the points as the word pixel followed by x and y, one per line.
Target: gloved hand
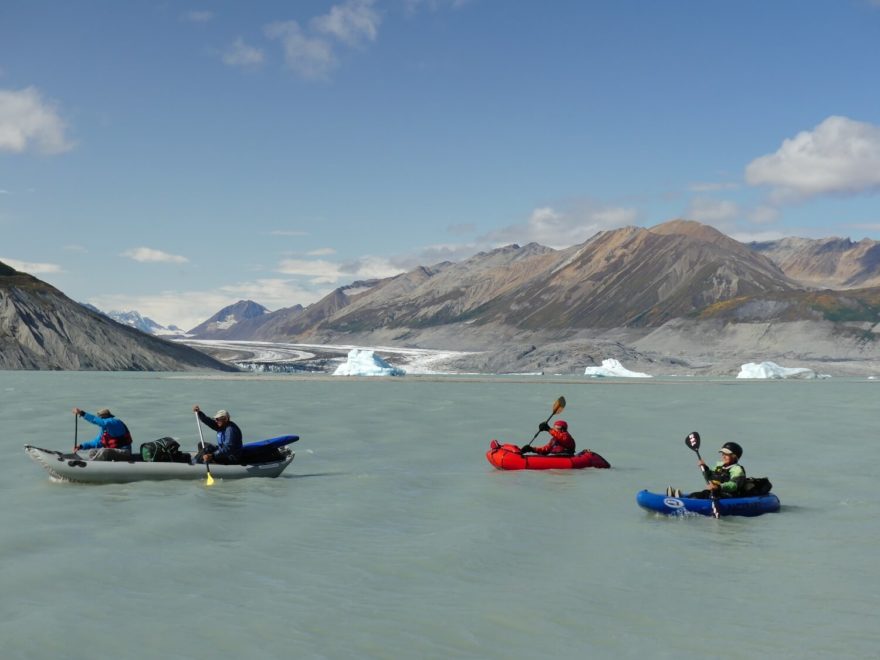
pixel 525 449
pixel 543 426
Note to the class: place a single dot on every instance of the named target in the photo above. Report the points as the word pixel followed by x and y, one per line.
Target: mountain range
pixel 41 328
pixel 143 323
pixel 679 297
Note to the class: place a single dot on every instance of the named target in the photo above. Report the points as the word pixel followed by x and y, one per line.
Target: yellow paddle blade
pixel 210 480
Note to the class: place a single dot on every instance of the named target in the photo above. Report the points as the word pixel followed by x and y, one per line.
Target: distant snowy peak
pixel 138 322
pixel 229 316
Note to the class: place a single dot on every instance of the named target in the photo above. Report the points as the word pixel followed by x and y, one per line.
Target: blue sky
pixel 174 157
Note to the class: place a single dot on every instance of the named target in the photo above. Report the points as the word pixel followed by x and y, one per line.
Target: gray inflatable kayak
pixel 73 467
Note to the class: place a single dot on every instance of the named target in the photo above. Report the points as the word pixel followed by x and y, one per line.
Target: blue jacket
pixel 113 425
pixel 228 440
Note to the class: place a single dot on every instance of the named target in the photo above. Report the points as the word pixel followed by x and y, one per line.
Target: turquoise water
pixel 391 536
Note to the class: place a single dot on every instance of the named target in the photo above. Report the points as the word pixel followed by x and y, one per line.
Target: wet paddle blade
pixel 558 406
pixel 209 480
pixel 693 441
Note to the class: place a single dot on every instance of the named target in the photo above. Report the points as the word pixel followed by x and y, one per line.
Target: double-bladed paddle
pixel 693 441
pixel 558 407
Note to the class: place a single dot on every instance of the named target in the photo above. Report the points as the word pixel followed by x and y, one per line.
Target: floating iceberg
pixel 364 362
pixel 611 368
pixel 773 370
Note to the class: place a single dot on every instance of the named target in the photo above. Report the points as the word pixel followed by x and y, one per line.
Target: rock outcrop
pixel 41 328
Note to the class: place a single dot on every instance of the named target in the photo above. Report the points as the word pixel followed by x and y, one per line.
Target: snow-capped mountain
pixel 142 323
pixel 221 325
pixel 41 328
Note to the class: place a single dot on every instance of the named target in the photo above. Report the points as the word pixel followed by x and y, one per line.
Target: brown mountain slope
pixel 442 295
pixel 850 306
pixel 833 263
pixel 41 328
pixel 627 277
pixel 641 277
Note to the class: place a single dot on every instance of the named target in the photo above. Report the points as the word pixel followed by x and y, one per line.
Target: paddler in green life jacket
pixel 728 476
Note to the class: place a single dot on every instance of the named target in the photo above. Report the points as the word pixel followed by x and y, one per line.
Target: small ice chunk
pixel 773 370
pixel 364 362
pixel 611 368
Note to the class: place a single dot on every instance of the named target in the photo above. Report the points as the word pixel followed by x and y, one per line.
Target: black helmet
pixel 732 448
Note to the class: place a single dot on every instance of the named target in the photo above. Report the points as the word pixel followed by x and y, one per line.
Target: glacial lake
pixel 391 536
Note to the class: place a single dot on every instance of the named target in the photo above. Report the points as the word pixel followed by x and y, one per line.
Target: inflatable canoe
pixel 76 468
pixel 727 506
pixel 509 457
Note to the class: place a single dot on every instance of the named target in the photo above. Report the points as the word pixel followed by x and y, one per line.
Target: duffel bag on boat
pixel 756 486
pixel 163 450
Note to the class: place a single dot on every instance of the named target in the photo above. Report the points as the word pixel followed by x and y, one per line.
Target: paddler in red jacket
pixel 561 441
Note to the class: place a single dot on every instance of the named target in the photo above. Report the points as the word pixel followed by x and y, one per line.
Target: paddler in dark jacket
pixel 113 442
pixel 228 447
pixel 561 441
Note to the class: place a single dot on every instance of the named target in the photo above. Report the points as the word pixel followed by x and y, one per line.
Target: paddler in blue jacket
pixel 228 447
pixel 113 442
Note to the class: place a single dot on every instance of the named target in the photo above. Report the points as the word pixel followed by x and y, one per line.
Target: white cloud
pixel 712 211
pixel 840 156
pixel 757 237
pixel 312 53
pixel 149 255
pixel 75 248
pixel 187 309
pixel 310 57
pixel 274 293
pixel 764 215
pixel 434 254
pixel 554 228
pixel 349 22
pixel 320 271
pixel 241 55
pixel 197 16
pixel 321 252
pixel 371 267
pixel 31 267
pixel 27 121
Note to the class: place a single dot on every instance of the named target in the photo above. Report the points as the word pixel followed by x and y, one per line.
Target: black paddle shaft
pixel 692 440
pixel 558 406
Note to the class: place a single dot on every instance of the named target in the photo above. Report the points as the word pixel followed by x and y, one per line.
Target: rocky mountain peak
pixel 41 328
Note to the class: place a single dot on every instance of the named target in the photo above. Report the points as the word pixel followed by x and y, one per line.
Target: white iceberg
pixel 773 370
pixel 364 362
pixel 611 368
